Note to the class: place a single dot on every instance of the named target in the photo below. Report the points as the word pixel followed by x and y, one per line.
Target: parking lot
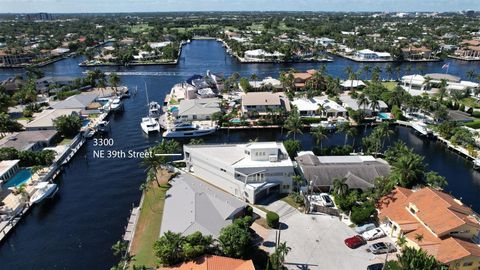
pixel 317 242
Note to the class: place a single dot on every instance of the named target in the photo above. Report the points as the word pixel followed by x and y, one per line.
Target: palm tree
pixel 384 132
pixel 294 124
pixel 321 110
pixel 363 101
pixel 320 134
pixel 352 132
pixel 114 80
pixel 407 170
pixel 339 187
pixel 442 90
pixel 426 82
pixel 390 71
pixel 278 257
pixel 374 103
pixel 343 128
pixel 254 77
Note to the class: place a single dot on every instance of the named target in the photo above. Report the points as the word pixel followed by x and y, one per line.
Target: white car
pixel 373 234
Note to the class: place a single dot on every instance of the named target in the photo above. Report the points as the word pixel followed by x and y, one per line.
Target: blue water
pixel 88 215
pixel 20 178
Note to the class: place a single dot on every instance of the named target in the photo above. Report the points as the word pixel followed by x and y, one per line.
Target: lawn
pixel 149 222
pixel 289 199
pixel 390 85
pixel 140 28
pixel 475 124
pixel 470 102
pixel 65 141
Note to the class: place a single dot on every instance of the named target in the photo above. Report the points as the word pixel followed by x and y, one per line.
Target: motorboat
pixel 116 104
pixel 154 109
pixel 43 190
pixel 325 124
pixel 421 128
pixel 89 133
pixel 187 130
pixel 102 126
pixel 150 124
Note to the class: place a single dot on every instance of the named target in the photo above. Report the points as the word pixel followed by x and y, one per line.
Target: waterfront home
pixel 203 207
pixel 159 45
pixel 44 120
pixel 412 53
pixel 29 140
pixel 317 106
pixel 12 84
pixel 301 78
pixel 146 55
pixel 21 57
pixel 81 101
pixel 261 55
pixel 181 91
pixel 45 84
pixel 59 51
pixel 358 172
pixel 434 221
pixel 8 168
pixel 249 171
pixel 262 103
pixel 325 42
pixel 469 50
pixel 352 103
pixel 370 55
pixel 267 83
pixel 353 84
pixel 213 262
pixel 197 109
pixel 217 79
pixel 418 84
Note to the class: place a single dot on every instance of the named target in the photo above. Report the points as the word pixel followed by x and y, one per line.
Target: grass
pixel 470 102
pixel 65 141
pixel 24 118
pixel 291 202
pixel 140 28
pixel 148 226
pixel 474 124
pixel 390 85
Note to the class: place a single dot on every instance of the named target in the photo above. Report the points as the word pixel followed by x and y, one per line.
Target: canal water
pixel 77 228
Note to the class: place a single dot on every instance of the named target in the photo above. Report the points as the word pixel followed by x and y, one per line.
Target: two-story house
pixel 248 171
pixel 435 222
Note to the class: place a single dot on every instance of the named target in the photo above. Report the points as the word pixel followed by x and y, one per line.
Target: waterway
pixel 77 228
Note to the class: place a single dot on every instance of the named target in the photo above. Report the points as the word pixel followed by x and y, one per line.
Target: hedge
pixel 361 214
pixel 273 220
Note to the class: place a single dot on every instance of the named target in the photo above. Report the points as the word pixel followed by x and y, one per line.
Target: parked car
pixel 376 266
pixel 381 247
pixel 355 241
pixel 365 227
pixel 326 200
pixel 373 234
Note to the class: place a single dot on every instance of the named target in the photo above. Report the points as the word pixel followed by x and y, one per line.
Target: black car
pixel 377 266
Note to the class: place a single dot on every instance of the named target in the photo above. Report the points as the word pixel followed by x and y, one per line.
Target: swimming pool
pixel 85 122
pixel 236 120
pixel 384 116
pixel 21 177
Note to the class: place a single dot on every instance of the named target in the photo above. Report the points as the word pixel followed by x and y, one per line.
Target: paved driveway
pixel 317 242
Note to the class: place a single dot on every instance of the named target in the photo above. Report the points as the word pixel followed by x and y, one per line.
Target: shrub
pixel 249 211
pixel 273 220
pixel 311 120
pixel 476 114
pixel 362 213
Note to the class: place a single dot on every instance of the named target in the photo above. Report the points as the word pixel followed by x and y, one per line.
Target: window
pixel 223 170
pixel 465 264
pixel 412 210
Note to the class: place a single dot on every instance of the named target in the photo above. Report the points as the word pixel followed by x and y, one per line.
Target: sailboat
pixel 149 124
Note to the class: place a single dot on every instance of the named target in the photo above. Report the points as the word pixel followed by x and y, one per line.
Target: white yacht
pixel 187 130
pixel 102 126
pixel 44 190
pixel 150 124
pixel 154 109
pixel 116 104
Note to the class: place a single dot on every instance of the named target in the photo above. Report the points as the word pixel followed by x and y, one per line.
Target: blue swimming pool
pixel 384 116
pixel 236 120
pixel 85 122
pixel 21 177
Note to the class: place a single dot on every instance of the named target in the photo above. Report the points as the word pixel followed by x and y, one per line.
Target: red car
pixel 355 241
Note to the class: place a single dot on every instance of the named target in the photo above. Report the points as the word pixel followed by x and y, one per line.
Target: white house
pixel 262 103
pixel 323 41
pixel 198 109
pixel 417 84
pixel 249 171
pixel 317 106
pixel 262 55
pixel 367 54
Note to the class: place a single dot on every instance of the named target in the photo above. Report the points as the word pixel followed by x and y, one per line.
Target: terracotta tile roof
pixel 302 76
pixel 473 42
pixel 212 262
pixel 440 211
pixel 416 49
pixel 452 249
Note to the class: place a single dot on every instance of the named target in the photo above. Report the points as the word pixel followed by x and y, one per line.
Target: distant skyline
pixel 106 6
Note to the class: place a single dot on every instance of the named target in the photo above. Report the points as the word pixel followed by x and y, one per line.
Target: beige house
pixel 435 222
pixel 263 103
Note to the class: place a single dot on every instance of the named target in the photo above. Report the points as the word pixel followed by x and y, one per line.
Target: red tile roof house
pixel 435 222
pixel 212 262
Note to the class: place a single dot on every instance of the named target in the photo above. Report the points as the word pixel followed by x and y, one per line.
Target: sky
pixel 103 6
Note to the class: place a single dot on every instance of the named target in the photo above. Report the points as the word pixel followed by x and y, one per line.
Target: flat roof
pixel 6 165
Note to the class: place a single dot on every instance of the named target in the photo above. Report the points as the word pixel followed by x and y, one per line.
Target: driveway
pixel 316 241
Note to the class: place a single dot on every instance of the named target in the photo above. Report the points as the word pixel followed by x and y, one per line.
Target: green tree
pixel 292 147
pixel 235 240
pixel 294 124
pixel 320 134
pixel 68 125
pixel 408 170
pixel 277 259
pixel 168 248
pixel 414 259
